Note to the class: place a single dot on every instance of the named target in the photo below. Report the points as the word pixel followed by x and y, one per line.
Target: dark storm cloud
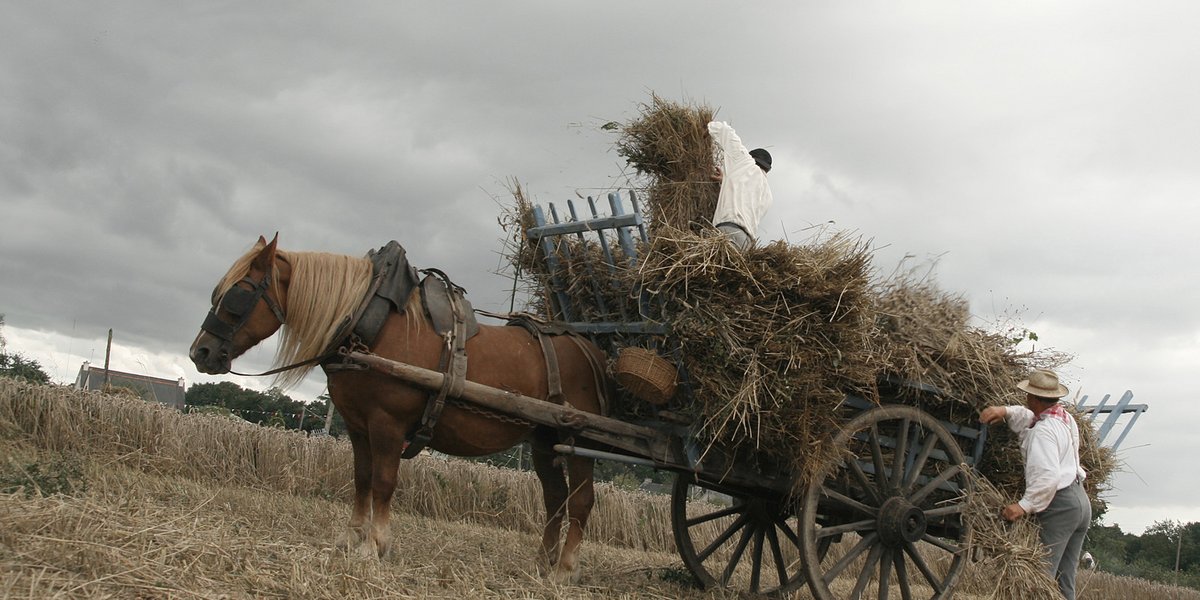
pixel 1042 155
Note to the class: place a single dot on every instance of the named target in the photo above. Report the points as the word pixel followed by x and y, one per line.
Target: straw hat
pixel 1043 384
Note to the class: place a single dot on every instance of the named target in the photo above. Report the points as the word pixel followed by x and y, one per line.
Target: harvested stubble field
pixel 110 497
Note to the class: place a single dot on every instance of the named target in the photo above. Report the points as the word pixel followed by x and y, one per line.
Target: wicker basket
pixel 646 375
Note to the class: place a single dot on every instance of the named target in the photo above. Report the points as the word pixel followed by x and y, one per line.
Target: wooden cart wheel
pixel 902 496
pixel 731 538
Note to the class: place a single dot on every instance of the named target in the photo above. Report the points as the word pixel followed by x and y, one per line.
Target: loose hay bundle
pixel 669 145
pixel 925 335
pixel 1009 556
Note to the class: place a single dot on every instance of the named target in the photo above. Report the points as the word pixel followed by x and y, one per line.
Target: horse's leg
pixel 356 533
pixel 579 508
pixel 554 496
pixel 387 440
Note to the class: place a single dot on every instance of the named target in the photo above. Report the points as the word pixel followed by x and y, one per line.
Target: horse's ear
pixel 262 241
pixel 266 257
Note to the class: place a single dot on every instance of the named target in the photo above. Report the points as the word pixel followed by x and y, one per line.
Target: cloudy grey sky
pixel 1045 155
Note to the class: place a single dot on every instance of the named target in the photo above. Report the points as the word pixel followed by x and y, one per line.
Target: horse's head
pixel 248 306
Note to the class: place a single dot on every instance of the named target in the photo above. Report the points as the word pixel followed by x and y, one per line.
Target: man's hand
pixel 993 414
pixel 1012 512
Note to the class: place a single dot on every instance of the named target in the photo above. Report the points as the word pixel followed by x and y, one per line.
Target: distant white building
pixel 152 389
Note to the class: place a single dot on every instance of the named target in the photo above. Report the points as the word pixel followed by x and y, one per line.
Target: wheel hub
pixel 900 521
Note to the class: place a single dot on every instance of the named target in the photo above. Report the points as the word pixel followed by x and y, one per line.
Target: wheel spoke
pixel 881 478
pixel 901 454
pixel 885 572
pixel 931 441
pixel 940 543
pixel 868 524
pixel 943 511
pixel 864 576
pixel 738 551
pixel 933 484
pixel 724 537
pixel 777 554
pixel 945 515
pixel 861 477
pixel 756 560
pixel 849 557
pixel 725 512
pixel 848 501
pixel 911 550
pixel 902 577
pixel 781 522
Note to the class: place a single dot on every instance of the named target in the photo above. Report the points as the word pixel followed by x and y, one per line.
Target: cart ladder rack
pixel 617 236
pixel 1112 414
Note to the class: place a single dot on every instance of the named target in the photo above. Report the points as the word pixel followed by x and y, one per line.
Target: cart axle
pixel 601 455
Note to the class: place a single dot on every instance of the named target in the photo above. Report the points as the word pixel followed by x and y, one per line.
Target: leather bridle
pixel 240 302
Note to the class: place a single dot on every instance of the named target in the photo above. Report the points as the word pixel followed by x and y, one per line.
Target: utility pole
pixel 1178 547
pixel 107 355
pixel 329 415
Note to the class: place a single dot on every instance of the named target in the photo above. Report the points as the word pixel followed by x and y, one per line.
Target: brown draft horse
pixel 308 294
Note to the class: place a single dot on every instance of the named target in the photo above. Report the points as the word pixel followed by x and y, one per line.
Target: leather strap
pixel 553 377
pixel 453 364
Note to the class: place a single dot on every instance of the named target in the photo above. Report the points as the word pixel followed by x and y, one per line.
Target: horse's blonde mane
pixel 324 289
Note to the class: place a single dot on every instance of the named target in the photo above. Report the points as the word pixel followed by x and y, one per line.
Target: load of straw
pixel 773 338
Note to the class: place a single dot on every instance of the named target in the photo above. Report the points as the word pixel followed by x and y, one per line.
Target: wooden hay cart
pixel 895 502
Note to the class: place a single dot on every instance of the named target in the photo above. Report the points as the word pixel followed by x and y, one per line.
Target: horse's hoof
pixel 349 539
pixel 366 550
pixel 546 566
pixel 566 576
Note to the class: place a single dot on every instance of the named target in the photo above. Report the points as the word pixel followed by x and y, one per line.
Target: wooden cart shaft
pixel 638 440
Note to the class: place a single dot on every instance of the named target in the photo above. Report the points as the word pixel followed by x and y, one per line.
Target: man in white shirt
pixel 745 195
pixel 1053 477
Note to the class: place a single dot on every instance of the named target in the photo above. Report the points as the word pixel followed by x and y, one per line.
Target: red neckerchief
pixel 1056 410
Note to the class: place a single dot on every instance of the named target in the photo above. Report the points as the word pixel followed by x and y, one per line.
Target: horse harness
pixel 452 317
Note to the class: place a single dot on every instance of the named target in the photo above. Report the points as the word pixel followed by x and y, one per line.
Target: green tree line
pixel 18 366
pixel 1154 555
pixel 271 408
